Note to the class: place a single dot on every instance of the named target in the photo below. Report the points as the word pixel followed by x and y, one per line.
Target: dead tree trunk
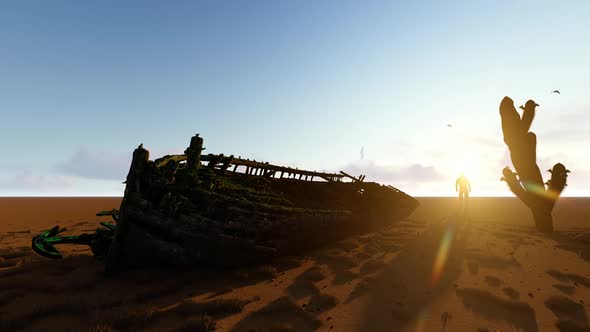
pixel 527 183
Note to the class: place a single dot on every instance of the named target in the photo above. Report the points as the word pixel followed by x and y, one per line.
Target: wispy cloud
pixel 27 180
pixel 569 125
pixel 486 141
pixel 415 173
pixel 103 165
pixel 565 134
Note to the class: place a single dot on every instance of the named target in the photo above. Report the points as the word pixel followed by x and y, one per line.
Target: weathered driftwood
pixel 527 183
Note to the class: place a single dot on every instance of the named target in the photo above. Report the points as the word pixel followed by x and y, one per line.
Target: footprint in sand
pixel 390 246
pixel 473 267
pixel 8 262
pixel 518 314
pixel 361 288
pixel 314 273
pixel 347 245
pixel 511 293
pixel 571 315
pixel 302 288
pixel 280 315
pixel 339 265
pixel 565 277
pixel 493 281
pixel 371 266
pixel 320 303
pixel 28 231
pixel 567 289
pixel 216 308
pixel 304 285
pixel 336 260
pixel 15 253
pixel 217 293
pixel 361 255
pixel 491 261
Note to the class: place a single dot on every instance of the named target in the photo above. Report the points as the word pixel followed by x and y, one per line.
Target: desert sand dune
pixel 486 270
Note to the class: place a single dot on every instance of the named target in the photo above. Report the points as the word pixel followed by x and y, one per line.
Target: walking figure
pixel 463 186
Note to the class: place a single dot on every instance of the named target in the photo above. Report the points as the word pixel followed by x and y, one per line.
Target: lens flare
pixel 442 255
pixel 539 190
pixel 421 320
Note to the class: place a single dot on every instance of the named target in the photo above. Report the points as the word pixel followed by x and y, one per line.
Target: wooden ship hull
pixel 192 209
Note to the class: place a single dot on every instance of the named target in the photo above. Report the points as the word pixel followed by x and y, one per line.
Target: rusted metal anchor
pixel 99 241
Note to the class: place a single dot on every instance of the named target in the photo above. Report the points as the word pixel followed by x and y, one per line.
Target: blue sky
pixel 303 83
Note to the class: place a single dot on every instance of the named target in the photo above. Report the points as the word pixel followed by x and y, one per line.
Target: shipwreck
pixel 194 209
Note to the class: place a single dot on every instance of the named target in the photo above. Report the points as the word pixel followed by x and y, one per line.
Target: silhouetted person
pixel 463 186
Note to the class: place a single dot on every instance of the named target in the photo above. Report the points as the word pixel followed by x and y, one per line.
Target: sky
pixel 304 83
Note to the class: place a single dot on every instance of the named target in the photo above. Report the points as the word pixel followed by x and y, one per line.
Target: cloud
pixel 564 134
pixel 570 126
pixel 102 165
pixel 577 115
pixel 416 173
pixel 495 143
pixel 26 180
pixel 543 161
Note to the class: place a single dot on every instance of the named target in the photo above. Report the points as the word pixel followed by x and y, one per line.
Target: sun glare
pixel 470 166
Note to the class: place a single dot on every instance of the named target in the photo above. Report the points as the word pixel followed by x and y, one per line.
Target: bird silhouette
pixel 528 114
pixel 450 126
pixel 556 91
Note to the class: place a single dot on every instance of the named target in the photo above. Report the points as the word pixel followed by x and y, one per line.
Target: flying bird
pixel 556 91
pixel 450 126
pixel 528 114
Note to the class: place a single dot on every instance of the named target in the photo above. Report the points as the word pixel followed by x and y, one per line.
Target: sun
pixel 470 166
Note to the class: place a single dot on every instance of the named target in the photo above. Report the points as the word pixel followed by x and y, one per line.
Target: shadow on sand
pixel 400 296
pixel 38 294
pixel 577 242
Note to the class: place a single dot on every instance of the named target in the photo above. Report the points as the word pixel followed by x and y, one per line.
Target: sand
pixel 434 271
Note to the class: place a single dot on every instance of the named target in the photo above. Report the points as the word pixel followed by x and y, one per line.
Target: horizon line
pixel 415 196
